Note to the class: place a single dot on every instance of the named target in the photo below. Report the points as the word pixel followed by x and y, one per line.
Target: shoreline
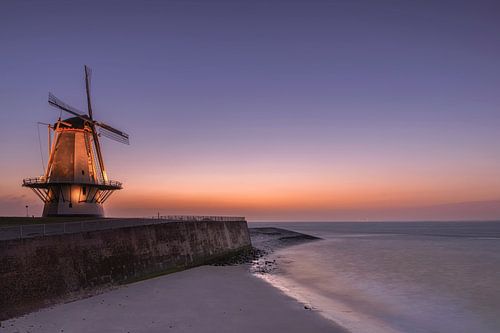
pixel 202 299
pixel 336 309
pixel 397 278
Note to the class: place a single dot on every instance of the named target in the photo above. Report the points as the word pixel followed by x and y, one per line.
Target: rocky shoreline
pixel 269 239
pixel 265 241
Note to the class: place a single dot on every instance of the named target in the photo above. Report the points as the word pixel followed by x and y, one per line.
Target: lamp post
pixel 27 214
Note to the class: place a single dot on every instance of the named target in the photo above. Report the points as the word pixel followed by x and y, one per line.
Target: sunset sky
pixel 273 110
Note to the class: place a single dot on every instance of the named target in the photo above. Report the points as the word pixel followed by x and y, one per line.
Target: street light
pixel 27 214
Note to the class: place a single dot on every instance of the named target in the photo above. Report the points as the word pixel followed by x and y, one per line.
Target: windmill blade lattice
pixel 56 102
pixel 112 133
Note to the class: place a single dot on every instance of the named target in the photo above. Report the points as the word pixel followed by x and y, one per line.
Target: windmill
pixel 75 182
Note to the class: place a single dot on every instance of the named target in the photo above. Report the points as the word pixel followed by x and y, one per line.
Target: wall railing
pixel 59 228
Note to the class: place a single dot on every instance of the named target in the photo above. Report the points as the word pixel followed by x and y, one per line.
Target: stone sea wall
pixel 35 272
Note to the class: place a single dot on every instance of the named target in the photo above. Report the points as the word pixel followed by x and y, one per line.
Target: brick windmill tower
pixel 75 182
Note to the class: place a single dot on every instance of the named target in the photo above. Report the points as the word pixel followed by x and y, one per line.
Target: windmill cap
pixel 75 122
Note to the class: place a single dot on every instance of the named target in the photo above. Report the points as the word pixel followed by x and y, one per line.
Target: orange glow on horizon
pixel 249 197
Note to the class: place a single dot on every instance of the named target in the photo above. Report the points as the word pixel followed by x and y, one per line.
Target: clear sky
pixel 275 110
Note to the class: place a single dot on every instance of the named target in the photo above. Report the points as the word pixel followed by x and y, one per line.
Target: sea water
pixel 396 276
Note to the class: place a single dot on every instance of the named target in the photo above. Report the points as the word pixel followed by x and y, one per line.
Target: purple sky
pixel 288 110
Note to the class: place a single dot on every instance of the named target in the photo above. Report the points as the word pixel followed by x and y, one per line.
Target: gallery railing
pixel 42 180
pixel 59 228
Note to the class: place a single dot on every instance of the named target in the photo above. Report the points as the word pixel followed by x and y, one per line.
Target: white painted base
pixel 76 209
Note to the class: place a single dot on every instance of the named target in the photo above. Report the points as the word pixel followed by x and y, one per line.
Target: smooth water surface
pixel 397 277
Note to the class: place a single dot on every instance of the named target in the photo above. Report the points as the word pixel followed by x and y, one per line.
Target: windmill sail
pixel 56 102
pixel 88 74
pixel 112 133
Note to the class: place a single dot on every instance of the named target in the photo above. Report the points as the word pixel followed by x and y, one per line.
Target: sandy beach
pixel 203 299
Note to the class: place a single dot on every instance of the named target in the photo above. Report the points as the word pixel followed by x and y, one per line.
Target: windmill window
pixel 83 172
pixel 70 205
pixel 84 190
